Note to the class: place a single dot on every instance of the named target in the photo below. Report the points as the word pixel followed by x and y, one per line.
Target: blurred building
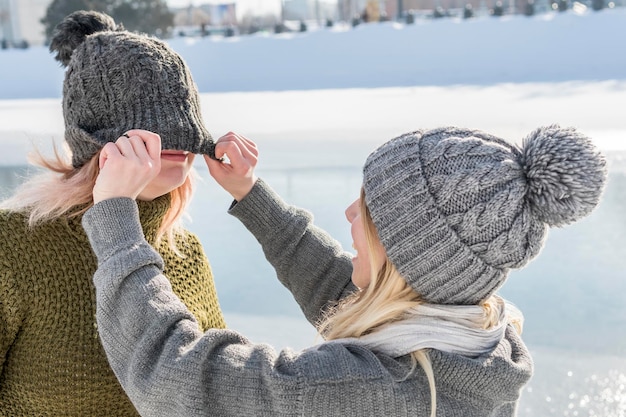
pixel 319 10
pixel 20 22
pixel 393 8
pixel 351 8
pixel 206 19
pixel 223 14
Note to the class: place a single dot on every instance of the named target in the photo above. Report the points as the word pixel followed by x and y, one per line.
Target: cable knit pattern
pixel 117 80
pixel 51 359
pixel 457 208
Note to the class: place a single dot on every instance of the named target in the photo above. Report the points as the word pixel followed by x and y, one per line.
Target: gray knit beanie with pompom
pixel 455 208
pixel 116 81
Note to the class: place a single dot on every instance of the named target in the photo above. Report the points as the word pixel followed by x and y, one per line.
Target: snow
pixel 366 115
pixel 485 51
pixel 506 75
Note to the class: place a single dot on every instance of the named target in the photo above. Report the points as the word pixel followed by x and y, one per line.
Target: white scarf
pixel 448 328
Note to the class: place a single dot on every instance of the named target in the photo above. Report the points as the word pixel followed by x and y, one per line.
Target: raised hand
pixel 128 165
pixel 235 171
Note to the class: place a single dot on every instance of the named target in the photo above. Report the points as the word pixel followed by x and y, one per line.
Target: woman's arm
pixel 166 365
pixel 307 260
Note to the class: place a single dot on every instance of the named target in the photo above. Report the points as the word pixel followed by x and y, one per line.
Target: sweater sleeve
pixel 307 260
pixel 166 365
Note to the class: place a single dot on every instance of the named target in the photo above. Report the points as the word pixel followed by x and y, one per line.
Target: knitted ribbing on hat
pixel 456 208
pixel 117 81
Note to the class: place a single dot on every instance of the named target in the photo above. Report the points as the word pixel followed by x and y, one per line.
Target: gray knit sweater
pixel 169 367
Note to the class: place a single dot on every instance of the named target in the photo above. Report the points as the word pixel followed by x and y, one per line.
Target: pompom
pixel 565 174
pixel 73 30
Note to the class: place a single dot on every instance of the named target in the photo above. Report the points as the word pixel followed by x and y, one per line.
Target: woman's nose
pixel 352 210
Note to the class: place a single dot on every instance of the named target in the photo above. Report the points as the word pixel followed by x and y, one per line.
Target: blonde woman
pixel 413 323
pixel 51 360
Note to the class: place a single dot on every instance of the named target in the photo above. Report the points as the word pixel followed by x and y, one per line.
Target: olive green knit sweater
pixel 51 360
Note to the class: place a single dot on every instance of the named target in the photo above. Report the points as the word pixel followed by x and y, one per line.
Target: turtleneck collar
pixel 151 214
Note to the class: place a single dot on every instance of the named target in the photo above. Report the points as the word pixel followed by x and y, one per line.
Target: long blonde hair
pixel 62 190
pixel 386 299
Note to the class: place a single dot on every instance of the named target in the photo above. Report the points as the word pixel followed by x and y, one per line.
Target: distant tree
pixel 58 9
pixel 147 16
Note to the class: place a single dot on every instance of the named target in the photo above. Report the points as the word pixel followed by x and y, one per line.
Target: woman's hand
pixel 128 165
pixel 236 175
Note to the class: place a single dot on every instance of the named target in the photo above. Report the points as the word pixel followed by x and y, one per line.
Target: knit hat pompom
pixel 73 30
pixel 565 174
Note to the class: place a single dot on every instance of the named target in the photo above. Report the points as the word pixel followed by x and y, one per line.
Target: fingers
pixel 124 146
pixel 151 140
pixel 236 175
pixel 240 150
pixel 140 144
pixel 127 165
pixel 244 143
pixel 213 164
pixel 110 150
pixel 131 146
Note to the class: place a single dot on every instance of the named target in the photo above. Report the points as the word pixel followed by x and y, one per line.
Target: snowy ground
pixel 550 47
pixel 365 116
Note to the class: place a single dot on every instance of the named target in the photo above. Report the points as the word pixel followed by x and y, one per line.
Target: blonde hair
pixel 386 299
pixel 67 191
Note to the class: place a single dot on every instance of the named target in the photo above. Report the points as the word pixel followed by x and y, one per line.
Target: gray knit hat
pixel 456 208
pixel 116 81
